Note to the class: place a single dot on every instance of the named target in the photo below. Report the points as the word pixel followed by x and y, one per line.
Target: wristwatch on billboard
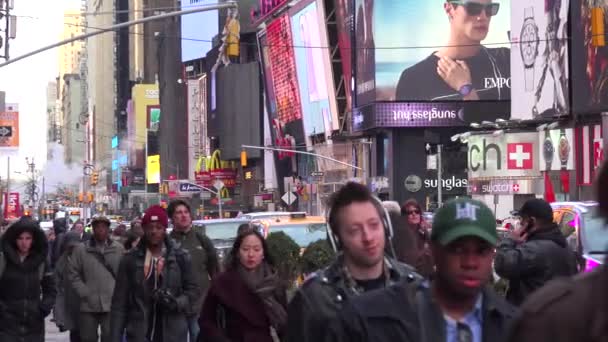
pixel 548 150
pixel 563 149
pixel 465 90
pixel 528 46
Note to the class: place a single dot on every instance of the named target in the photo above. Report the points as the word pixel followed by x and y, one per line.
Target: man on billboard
pixel 462 69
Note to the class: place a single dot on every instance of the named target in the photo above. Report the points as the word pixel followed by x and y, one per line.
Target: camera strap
pixel 102 260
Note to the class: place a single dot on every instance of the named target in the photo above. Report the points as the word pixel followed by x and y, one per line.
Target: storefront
pixel 504 170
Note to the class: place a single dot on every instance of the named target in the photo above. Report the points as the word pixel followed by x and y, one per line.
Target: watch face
pixel 563 149
pixel 528 42
pixel 548 150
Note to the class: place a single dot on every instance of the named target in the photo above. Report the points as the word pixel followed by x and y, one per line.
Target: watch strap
pixel 529 12
pixel 529 78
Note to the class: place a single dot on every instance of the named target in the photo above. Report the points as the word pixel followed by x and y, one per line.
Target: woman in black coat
pixel 27 288
pixel 246 302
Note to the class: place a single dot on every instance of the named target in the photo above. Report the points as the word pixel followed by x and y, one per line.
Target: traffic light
pixel 80 197
pixel 243 158
pixel 89 197
pixel 94 178
pixel 598 33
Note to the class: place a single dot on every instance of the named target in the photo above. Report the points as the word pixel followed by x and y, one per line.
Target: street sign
pixel 218 184
pixel 289 198
pixel 189 187
pixel 6 131
pixel 318 174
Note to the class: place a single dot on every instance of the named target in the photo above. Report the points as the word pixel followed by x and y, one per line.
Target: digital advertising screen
pixel 539 59
pixel 317 95
pixel 197 29
pixel 344 21
pixel 589 61
pixel 433 51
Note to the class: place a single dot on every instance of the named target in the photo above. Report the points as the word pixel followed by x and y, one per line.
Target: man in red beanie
pixel 154 287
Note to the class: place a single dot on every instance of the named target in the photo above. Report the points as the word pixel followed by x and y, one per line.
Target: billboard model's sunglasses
pixel 475 8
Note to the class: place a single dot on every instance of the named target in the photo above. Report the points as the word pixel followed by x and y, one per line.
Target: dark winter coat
pixel 232 302
pixel 204 261
pixel 323 295
pixel 407 312
pixel 566 310
pixel 67 305
pixel 530 265
pixel 27 289
pixel 130 311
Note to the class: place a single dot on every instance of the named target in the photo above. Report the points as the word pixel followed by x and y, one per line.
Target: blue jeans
pixel 193 328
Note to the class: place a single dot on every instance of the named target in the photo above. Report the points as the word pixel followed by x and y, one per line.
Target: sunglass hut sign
pixel 508 155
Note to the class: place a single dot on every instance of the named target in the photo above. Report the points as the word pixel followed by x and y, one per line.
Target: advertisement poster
pixel 539 58
pixel 153 169
pixel 557 149
pixel 283 70
pixel 9 128
pixel 589 63
pixel 314 70
pixel 266 70
pixel 453 51
pixel 12 209
pixel 345 20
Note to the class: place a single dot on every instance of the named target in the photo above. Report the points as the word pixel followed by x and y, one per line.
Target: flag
pixel 549 192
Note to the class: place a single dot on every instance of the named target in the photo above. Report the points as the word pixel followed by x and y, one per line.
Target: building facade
pixel 73 130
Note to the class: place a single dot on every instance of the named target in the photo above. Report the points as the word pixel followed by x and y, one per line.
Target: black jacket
pixel 406 313
pixel 528 266
pixel 132 298
pixel 320 298
pixel 27 289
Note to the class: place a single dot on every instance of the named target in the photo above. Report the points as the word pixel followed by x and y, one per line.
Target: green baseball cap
pixel 464 217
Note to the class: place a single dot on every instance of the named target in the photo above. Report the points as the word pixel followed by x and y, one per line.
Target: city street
pixel 53 334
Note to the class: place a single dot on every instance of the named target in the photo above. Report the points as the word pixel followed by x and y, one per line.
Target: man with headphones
pixel 454 305
pixel 359 229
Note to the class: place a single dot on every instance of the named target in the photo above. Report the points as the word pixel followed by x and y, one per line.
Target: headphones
pixel 334 239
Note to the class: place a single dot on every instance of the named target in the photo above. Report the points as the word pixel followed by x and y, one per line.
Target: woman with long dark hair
pixel 246 302
pixel 27 287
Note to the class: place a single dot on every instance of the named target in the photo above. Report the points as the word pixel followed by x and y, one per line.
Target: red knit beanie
pixel 155 213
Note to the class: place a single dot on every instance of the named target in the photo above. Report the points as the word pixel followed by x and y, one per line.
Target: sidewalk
pixel 53 334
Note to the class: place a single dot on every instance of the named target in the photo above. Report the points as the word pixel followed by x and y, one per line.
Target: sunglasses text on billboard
pixel 429 115
pixel 448 184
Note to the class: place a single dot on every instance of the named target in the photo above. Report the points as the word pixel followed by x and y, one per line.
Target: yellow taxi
pixel 303 229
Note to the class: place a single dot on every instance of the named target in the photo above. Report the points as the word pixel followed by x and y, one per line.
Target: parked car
pixel 584 231
pixel 222 232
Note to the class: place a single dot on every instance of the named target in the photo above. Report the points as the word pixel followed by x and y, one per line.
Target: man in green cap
pixel 455 304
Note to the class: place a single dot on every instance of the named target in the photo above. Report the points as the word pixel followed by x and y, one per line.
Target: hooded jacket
pixel 27 289
pixel 528 266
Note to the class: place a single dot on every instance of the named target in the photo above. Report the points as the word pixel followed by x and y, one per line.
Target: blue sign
pixel 115 141
pixel 189 187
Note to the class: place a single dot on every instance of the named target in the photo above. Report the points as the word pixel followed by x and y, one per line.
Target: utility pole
pixel 10 26
pixel 439 178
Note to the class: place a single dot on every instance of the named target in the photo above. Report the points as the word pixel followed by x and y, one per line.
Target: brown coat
pixel 566 310
pixel 240 311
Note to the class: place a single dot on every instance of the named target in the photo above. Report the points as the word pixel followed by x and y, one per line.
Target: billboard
pixel 198 29
pixel 12 208
pixel 589 63
pixel 153 118
pixel 144 96
pixel 453 51
pixel 9 128
pixel 557 149
pixel 507 155
pixel 313 67
pixel 539 58
pixel 283 70
pixel 153 169
pixel 271 100
pixel 344 21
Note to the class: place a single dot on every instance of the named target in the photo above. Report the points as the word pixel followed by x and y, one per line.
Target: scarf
pixel 156 264
pixel 264 282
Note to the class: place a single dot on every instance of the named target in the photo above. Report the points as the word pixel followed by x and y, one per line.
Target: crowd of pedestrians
pixel 395 278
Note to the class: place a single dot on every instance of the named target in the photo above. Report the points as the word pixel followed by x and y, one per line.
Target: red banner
pixel 207 178
pixel 12 210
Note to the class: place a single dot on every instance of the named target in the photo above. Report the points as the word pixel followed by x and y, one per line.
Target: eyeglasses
pixel 475 8
pixel 415 211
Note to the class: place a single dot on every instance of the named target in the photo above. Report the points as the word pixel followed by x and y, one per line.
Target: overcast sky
pixel 39 23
